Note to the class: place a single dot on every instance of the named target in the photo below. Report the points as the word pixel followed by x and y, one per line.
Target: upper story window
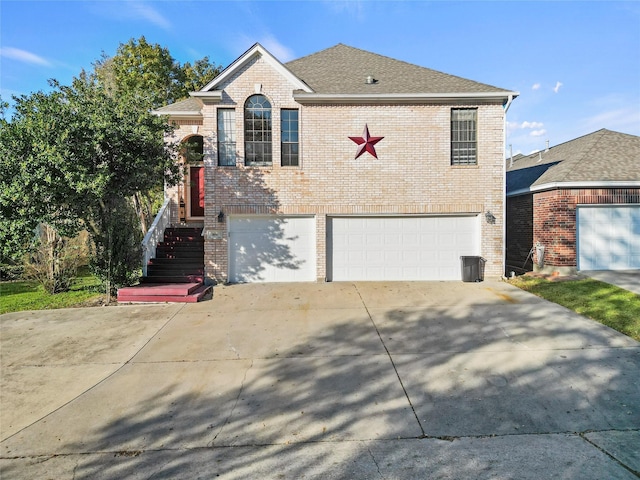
pixel 257 131
pixel 289 146
pixel 227 137
pixel 464 144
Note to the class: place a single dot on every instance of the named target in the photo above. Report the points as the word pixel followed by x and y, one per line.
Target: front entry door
pixel 196 191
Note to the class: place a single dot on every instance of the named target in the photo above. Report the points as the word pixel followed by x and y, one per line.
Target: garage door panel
pixel 271 249
pixel 608 237
pixel 401 248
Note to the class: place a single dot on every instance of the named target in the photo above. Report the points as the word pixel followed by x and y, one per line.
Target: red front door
pixel 196 191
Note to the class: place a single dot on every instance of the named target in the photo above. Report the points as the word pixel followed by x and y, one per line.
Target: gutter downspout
pixel 504 185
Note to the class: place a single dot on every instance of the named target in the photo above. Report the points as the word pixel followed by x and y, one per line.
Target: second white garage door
pixel 272 249
pixel 609 237
pixel 400 248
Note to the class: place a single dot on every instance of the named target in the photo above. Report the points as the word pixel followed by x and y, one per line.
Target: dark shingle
pixel 600 156
pixel 342 70
pixel 190 106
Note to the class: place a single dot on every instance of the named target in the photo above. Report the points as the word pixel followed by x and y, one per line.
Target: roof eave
pixel 368 98
pixel 585 184
pixel 208 98
pixel 177 113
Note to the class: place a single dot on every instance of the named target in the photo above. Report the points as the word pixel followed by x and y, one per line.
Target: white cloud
pixel 268 41
pixel 148 13
pixel 557 87
pixel 623 119
pixel 23 56
pixel 531 125
pixel 277 49
pixel 538 133
pixel 536 86
pixel 354 8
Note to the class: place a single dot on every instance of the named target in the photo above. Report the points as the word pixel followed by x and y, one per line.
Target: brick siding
pixel 554 218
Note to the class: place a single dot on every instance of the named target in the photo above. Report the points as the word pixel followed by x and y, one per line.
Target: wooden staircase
pixel 176 274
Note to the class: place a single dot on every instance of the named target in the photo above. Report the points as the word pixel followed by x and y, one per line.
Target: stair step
pixel 172 279
pixel 160 289
pixel 177 270
pixel 191 242
pixel 145 294
pixel 190 257
pixel 185 241
pixel 180 251
pixel 182 245
pixel 185 262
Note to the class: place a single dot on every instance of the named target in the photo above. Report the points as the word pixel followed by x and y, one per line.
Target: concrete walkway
pixel 334 381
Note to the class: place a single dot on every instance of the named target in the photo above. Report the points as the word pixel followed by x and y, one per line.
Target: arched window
pixel 257 131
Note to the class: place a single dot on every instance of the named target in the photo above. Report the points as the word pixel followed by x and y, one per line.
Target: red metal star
pixel 366 142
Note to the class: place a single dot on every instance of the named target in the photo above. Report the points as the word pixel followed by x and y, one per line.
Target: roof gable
pixel 243 60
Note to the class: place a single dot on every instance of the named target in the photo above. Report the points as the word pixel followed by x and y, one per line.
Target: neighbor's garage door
pixel 609 237
pixel 272 249
pixel 401 248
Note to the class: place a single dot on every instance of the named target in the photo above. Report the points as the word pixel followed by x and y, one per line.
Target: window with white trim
pixel 289 143
pixel 226 137
pixel 464 144
pixel 257 131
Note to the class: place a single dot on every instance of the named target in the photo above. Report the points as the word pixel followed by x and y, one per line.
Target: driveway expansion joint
pixel 612 457
pixel 235 404
pixel 406 394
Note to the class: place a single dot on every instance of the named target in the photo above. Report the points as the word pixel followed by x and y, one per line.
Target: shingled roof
pixel 339 74
pixel 188 107
pixel 343 70
pixel 602 156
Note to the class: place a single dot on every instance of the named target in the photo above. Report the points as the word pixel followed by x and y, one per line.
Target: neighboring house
pixel 342 165
pixel 580 201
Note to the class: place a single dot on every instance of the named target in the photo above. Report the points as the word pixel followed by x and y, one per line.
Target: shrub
pixel 54 261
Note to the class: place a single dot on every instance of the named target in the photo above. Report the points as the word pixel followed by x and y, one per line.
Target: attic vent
pixel 370 80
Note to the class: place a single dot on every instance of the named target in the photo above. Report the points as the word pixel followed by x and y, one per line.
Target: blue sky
pixel 575 64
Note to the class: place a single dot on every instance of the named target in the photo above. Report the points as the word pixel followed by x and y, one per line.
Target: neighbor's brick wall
pixel 412 174
pixel 554 218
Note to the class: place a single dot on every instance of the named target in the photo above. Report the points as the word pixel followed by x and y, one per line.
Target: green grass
pixel 610 305
pixel 27 295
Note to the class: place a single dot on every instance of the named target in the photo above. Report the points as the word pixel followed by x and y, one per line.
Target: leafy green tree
pixel 68 158
pixel 199 74
pixel 151 75
pixel 72 158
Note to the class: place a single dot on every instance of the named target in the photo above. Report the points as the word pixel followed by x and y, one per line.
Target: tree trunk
pixel 140 207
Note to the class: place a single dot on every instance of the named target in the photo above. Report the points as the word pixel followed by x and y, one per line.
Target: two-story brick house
pixel 342 165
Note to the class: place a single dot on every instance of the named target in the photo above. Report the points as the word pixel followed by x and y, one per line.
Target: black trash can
pixel 472 269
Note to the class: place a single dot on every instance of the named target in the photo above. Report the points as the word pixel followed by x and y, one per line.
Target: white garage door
pixel 609 237
pixel 401 248
pixel 272 249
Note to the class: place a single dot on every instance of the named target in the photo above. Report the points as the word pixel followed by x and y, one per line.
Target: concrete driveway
pixel 627 279
pixel 334 381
